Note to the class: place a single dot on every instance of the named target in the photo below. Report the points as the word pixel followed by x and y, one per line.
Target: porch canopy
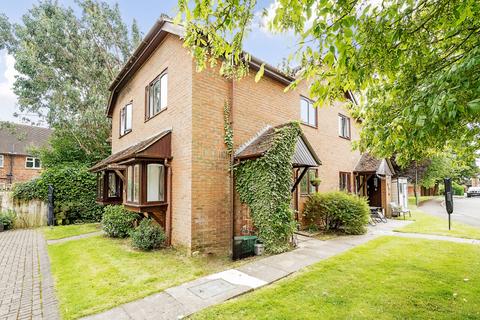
pixel 303 157
pixel 371 165
pixel 156 147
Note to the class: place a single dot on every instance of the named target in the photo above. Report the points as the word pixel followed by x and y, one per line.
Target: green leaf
pixel 260 72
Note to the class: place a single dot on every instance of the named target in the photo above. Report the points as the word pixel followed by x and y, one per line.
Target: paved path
pixel 26 286
pixel 465 210
pixel 190 297
pixel 82 236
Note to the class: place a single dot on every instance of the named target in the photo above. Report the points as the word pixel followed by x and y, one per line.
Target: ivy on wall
pixel 264 185
pixel 228 137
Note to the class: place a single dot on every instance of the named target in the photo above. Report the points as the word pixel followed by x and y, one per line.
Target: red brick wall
pixel 201 186
pixel 20 172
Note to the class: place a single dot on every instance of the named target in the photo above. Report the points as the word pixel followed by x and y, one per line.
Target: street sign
pixel 448 198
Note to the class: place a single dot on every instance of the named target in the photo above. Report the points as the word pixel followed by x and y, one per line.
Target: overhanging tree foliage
pixel 416 63
pixel 65 63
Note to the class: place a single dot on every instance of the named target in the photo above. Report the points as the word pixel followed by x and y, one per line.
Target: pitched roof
pixel 150 42
pixel 369 163
pixel 133 151
pixel 18 138
pixel 304 155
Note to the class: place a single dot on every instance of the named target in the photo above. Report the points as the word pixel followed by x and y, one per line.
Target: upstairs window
pixel 343 126
pixel 32 163
pixel 126 119
pixel 345 181
pixel 156 93
pixel 1 160
pixel 308 112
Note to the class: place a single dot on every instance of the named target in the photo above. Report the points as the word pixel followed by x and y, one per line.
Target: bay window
pixel 133 183
pixel 155 182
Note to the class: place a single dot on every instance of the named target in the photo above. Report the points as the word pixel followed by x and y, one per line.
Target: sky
pixel 260 42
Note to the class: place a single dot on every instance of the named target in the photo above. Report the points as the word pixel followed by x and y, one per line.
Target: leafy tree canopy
pixel 416 63
pixel 66 62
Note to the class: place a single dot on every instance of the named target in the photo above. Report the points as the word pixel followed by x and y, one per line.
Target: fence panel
pixel 29 214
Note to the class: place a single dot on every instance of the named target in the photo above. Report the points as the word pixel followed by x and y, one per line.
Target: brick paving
pixel 26 285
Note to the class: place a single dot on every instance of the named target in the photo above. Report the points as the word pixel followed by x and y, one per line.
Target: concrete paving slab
pixel 263 271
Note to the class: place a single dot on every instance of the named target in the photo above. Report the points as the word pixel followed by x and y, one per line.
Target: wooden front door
pixel 374 191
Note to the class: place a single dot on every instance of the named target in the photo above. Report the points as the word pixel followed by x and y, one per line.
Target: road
pixel 465 210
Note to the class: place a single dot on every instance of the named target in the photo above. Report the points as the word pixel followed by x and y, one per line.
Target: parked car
pixel 473 191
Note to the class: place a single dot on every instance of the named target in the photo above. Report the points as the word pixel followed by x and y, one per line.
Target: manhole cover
pixel 212 288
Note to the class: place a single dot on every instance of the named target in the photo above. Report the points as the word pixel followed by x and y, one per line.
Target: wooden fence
pixel 29 214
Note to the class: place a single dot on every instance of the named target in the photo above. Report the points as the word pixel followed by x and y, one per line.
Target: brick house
pixel 16 163
pixel 169 160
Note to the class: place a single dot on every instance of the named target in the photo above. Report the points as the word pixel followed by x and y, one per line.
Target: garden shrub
pixel 148 235
pixel 117 222
pixel 337 211
pixel 74 190
pixel 458 189
pixel 7 218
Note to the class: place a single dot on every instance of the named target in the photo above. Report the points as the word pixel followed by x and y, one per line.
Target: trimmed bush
pixel 118 222
pixel 75 193
pixel 7 218
pixel 458 189
pixel 337 211
pixel 148 236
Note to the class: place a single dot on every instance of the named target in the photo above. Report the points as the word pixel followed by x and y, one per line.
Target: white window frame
pixel 33 161
pixel 126 114
pixel 311 119
pixel 154 190
pixel 344 126
pixel 157 103
pixel 2 160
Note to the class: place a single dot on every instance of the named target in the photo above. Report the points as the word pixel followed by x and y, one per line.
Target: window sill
pixel 345 138
pixel 156 114
pixel 309 125
pixel 123 135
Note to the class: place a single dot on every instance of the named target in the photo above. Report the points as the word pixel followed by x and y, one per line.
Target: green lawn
pixel 59 232
pixel 98 273
pixel 429 224
pixel 387 278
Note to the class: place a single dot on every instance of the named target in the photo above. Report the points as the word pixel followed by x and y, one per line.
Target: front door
pixel 374 191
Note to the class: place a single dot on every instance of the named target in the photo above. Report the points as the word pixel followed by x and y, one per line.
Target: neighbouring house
pixel 16 162
pixel 169 159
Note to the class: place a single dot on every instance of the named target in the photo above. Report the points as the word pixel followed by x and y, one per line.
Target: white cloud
pixel 8 105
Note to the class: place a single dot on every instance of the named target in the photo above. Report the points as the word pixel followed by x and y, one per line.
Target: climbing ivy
pixel 228 138
pixel 264 185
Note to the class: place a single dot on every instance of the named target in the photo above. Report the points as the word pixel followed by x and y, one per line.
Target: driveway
pixel 465 210
pixel 26 285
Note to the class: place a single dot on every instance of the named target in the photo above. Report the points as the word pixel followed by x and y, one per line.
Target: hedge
pixel 337 211
pixel 75 193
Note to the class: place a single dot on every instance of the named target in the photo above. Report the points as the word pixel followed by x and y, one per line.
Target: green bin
pixel 243 246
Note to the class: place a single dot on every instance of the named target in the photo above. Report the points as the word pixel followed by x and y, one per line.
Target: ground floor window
pixel 133 183
pixel 306 186
pixel 345 183
pixel 155 182
pixel 100 185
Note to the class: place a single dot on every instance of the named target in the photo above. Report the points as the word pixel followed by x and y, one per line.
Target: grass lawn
pixel 387 278
pixel 98 273
pixel 59 232
pixel 429 224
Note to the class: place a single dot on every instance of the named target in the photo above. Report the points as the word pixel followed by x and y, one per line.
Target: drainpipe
pixel 168 218
pixel 10 174
pixel 232 177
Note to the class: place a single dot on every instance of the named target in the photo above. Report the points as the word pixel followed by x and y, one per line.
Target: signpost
pixel 50 216
pixel 448 199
